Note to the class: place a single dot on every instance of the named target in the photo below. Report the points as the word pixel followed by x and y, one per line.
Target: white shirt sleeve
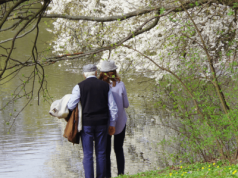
pixel 74 99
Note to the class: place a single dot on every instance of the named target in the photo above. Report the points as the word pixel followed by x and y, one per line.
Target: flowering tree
pixel 187 44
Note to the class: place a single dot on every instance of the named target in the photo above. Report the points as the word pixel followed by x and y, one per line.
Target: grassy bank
pixel 208 170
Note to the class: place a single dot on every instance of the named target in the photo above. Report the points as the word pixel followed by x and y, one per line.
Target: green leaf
pixel 113 76
pixel 231 12
pixel 7 123
pixel 162 10
pixel 235 5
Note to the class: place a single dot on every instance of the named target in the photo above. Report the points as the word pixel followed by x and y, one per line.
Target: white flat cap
pixel 89 68
pixel 108 66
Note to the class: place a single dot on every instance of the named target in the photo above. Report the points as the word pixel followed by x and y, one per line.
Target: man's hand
pixel 111 130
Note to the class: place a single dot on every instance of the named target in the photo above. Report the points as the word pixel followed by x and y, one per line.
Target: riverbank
pixel 197 170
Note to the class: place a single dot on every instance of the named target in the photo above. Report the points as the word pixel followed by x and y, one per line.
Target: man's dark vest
pixel 94 100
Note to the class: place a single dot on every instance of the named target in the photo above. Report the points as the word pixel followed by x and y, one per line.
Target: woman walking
pixel 109 75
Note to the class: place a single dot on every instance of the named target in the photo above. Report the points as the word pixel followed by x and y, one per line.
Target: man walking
pixel 98 109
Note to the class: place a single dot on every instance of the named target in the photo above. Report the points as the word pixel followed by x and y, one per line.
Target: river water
pixel 35 146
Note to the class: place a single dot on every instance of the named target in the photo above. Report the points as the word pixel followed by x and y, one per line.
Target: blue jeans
pixel 99 134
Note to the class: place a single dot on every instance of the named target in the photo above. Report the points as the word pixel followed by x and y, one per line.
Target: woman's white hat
pixel 108 66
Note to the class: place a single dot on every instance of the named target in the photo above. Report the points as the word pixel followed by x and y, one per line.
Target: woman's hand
pixel 111 130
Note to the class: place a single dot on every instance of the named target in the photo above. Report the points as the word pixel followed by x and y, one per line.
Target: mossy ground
pixel 202 170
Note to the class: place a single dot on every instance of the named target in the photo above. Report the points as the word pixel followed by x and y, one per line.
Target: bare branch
pixel 9 11
pixel 210 60
pixel 10 39
pixel 14 25
pixel 13 40
pixel 5 1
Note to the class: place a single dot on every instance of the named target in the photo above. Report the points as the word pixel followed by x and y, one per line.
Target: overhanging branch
pixel 137 32
pixel 103 19
pixel 177 8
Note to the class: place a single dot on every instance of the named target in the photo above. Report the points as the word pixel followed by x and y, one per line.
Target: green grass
pixel 201 170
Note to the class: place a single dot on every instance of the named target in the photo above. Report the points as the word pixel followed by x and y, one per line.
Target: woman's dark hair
pixel 110 77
